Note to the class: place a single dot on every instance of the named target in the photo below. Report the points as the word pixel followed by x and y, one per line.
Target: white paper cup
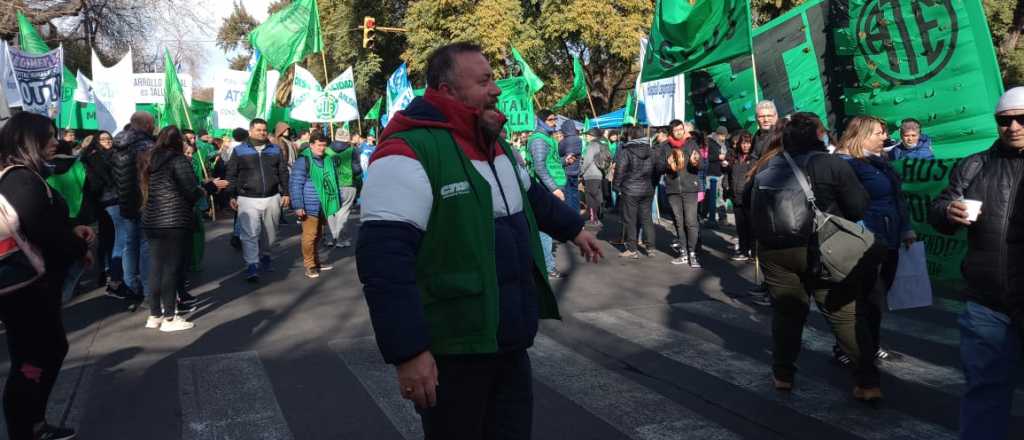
pixel 973 209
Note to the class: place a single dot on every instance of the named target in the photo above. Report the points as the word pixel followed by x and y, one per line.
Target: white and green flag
pixel 334 103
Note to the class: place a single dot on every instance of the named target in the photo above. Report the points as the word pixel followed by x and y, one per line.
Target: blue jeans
pixel 990 353
pixel 549 257
pixel 711 200
pixel 572 193
pixel 132 249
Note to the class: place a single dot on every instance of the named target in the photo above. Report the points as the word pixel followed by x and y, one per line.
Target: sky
pixel 215 58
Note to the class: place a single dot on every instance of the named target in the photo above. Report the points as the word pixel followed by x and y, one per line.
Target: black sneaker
pixel 118 293
pixel 740 257
pixel 759 290
pixel 555 275
pixel 841 357
pixel 886 355
pixel 762 299
pixel 48 432
pixel 694 262
pixel 184 307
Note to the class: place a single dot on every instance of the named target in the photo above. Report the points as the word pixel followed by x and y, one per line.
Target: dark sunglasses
pixel 1007 120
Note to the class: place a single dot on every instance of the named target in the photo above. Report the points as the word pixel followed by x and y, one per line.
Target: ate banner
pixel 39 80
pixel 229 86
pixel 400 92
pixel 334 103
pixel 930 60
pixel 516 103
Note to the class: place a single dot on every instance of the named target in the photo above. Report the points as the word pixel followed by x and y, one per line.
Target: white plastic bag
pixel 911 288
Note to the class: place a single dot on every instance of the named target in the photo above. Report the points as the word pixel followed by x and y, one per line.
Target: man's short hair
pixel 187 131
pixel 256 122
pixel 441 62
pixel 240 135
pixel 767 104
pixel 543 114
pixel 319 137
pixel 910 124
pixel 674 123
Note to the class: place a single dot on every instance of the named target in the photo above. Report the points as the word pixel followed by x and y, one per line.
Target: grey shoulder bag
pixel 837 245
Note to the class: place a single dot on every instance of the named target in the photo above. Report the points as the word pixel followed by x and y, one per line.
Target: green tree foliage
pixel 1006 20
pixel 233 35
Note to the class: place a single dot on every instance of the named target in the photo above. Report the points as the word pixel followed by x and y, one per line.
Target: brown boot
pixel 873 394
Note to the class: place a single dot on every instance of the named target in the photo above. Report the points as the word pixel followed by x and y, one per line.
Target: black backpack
pixel 784 216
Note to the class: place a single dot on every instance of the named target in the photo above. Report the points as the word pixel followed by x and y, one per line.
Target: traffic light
pixel 369 24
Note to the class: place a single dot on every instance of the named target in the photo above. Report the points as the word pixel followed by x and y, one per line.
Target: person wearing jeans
pixel 681 153
pixel 258 181
pixel 545 165
pixel 638 168
pixel 992 323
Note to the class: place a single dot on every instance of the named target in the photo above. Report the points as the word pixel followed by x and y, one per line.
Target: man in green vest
pixel 314 186
pixel 450 258
pixel 543 149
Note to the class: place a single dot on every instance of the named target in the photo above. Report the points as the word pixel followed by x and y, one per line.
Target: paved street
pixel 647 350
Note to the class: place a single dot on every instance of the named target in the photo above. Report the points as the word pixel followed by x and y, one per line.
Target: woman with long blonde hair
pixel 886 216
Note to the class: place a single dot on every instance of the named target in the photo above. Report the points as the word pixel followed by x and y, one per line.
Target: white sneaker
pixel 175 324
pixel 344 243
pixel 325 267
pixel 153 322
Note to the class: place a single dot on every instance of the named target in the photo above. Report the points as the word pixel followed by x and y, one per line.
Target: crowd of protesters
pixel 149 192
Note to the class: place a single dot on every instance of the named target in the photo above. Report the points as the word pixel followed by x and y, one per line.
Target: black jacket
pixel 172 192
pixel 835 185
pixel 638 168
pixel 714 163
pixel 99 181
pixel 570 144
pixel 736 176
pixel 994 265
pixel 761 141
pixel 257 174
pixel 128 145
pixel 687 179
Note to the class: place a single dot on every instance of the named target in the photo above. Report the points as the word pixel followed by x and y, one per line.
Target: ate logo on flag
pixel 908 42
pixel 326 107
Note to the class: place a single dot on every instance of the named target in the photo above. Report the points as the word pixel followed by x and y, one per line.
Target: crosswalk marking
pixel 67 400
pixel 944 379
pixel 632 409
pixel 228 396
pixel 363 359
pixel 810 397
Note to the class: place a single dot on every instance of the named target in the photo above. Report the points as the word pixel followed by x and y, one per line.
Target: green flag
pixel 691 35
pixel 579 85
pixel 71 186
pixel 374 112
pixel 532 79
pixel 255 100
pixel 516 104
pixel 30 40
pixel 289 35
pixel 629 117
pixel 419 92
pixel 175 106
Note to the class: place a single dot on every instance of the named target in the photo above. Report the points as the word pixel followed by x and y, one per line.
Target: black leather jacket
pixel 687 178
pixel 173 192
pixel 128 145
pixel 994 265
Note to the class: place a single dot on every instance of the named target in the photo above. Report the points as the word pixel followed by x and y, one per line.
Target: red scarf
pixel 675 143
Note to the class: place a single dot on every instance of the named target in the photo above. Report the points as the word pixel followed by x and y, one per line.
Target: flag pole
pixel 589 99
pixel 757 86
pixel 188 118
pixel 323 61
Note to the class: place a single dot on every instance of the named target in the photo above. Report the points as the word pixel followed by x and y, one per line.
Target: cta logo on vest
pixel 455 189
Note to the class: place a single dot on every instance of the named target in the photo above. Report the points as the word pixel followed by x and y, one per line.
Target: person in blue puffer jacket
pixel 914 144
pixel 314 186
pixel 887 217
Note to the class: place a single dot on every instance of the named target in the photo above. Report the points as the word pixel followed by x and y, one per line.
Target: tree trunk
pixel 1014 33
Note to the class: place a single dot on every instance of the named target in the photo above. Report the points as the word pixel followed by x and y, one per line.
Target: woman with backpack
pixel 170 190
pixel 39 246
pixel 862 146
pixel 787 249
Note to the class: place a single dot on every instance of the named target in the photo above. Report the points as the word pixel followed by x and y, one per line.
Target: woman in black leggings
pixel 32 313
pixel 170 190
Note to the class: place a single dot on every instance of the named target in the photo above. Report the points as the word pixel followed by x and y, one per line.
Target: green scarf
pixel 206 150
pixel 325 180
pixel 70 186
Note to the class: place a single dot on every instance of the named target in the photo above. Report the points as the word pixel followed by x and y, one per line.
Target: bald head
pixel 142 121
